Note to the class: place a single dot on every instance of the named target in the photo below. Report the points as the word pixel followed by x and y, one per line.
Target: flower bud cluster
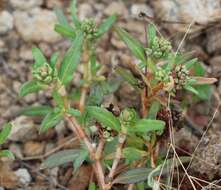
pixel 128 117
pixel 107 134
pixel 89 28
pixel 181 76
pixel 44 73
pixel 160 47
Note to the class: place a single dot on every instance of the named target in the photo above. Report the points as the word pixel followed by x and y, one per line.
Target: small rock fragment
pixel 85 11
pixel 116 8
pixel 24 176
pixel 136 9
pixel 37 25
pixel 24 4
pixel 32 148
pixel 16 150
pixel 22 129
pixel 6 22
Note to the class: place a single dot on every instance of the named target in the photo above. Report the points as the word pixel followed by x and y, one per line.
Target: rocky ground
pixel 25 23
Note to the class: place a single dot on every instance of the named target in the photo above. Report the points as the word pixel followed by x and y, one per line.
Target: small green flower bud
pixel 89 28
pixel 44 73
pixel 181 76
pixel 128 116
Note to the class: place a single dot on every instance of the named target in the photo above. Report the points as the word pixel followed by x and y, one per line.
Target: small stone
pixel 6 22
pixel 85 11
pixel 214 41
pixel 23 129
pixel 24 176
pixel 116 8
pixel 216 66
pixel 136 9
pixel 60 128
pixel 46 49
pixel 53 3
pixel 24 4
pixel 16 86
pixel 32 148
pixel 2 188
pixel 37 25
pixel 25 53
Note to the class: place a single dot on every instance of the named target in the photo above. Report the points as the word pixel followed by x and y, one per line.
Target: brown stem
pixel 97 166
pixel 121 140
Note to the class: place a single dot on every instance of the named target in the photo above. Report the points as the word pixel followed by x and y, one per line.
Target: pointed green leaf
pixel 36 110
pixel 191 89
pixel 65 31
pixel 61 17
pixel 58 99
pixel 4 133
pixel 30 87
pixel 38 57
pixel 126 75
pixel 50 120
pixel 106 25
pixel 60 158
pixel 134 45
pixel 7 153
pixel 151 34
pixel 147 125
pixel 54 59
pixel 71 60
pixel 80 159
pixel 104 117
pixel 154 108
pixel 92 186
pixel 133 176
pixel 191 63
pixel 132 154
pixel 74 112
pixel 74 14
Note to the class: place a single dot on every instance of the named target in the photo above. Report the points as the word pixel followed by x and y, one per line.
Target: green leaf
pixel 4 133
pixel 132 154
pixel 191 89
pixel 104 117
pixel 54 59
pixel 154 108
pixel 36 110
pixel 30 87
pixel 51 119
pixel 204 92
pixel 71 60
pixel 135 46
pixel 133 176
pixel 7 153
pixel 58 99
pixel 38 57
pixel 75 19
pixel 74 112
pixel 60 158
pixel 126 75
pixel 80 159
pixel 151 34
pixel 106 25
pixel 191 63
pixel 61 17
pixel 92 186
pixel 65 31
pixel 147 125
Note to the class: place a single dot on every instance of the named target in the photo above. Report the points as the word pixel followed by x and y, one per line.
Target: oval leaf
pixel 133 176
pixel 7 153
pixel 30 87
pixel 4 133
pixel 36 110
pixel 135 46
pixel 104 117
pixel 106 25
pixel 60 158
pixel 50 120
pixel 38 57
pixel 71 60
pixel 147 125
